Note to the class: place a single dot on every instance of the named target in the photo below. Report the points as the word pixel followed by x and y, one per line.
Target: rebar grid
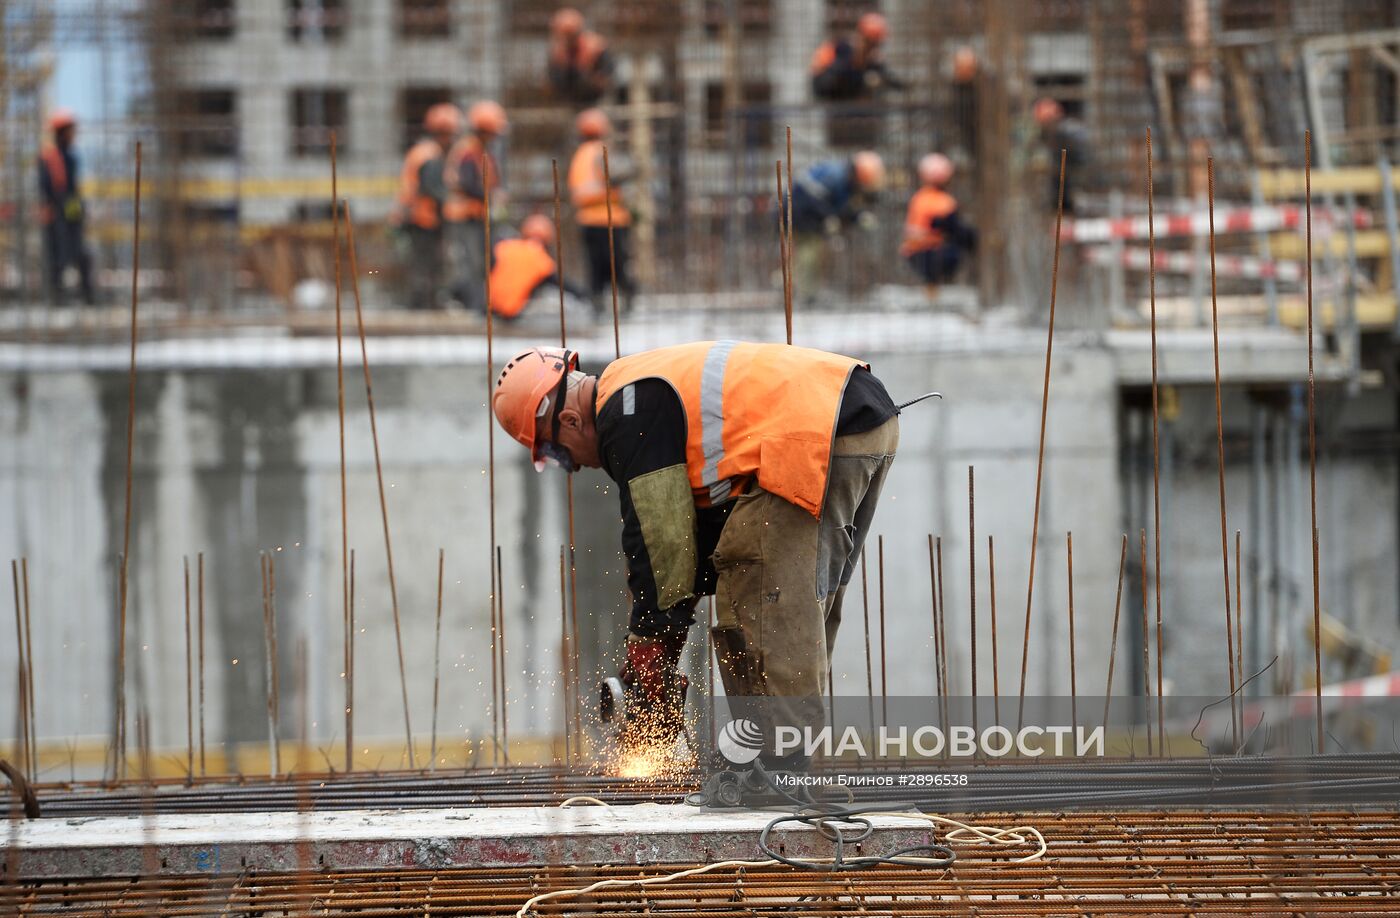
pixel 1161 863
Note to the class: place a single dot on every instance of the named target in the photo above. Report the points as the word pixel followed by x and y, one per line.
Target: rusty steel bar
pixel 1239 620
pixel 564 656
pixel 1312 451
pixel 338 216
pixel 437 663
pixel 992 585
pixel 189 678
pixel 1156 449
pixel 199 590
pixel 1073 681
pixel 933 613
pixel 787 220
pixel 29 667
pixel 26 753
pixel 869 662
pixel 784 260
pixel 942 631
pixel 1113 641
pixel 350 671
pixel 1146 640
pixel 884 647
pixel 1220 463
pixel 612 254
pixel 1040 451
pixel 505 670
pixel 491 443
pixel 972 589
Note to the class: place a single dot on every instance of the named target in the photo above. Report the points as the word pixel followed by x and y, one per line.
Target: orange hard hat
pixel 873 27
pixel 593 123
pixel 523 387
pixel 488 117
pixel 61 118
pixel 443 118
pixel 870 170
pixel 567 21
pixel 1047 111
pixel 935 169
pixel 964 64
pixel 539 228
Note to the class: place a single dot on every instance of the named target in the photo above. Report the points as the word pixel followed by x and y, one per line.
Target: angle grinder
pixel 643 722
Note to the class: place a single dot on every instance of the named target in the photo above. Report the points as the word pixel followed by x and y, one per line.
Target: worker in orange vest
pixel 468 172
pixel 61 209
pixel 591 195
pixel 854 68
pixel 422 193
pixel 580 66
pixel 746 471
pixel 935 236
pixel 522 270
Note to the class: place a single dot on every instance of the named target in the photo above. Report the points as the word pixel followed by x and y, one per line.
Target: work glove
pixel 650 667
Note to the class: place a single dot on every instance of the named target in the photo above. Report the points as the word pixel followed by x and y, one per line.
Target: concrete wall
pixel 231 462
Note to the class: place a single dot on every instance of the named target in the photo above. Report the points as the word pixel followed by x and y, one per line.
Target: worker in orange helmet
pixel 523 271
pixel 580 66
pixel 591 196
pixel 469 171
pixel 935 236
pixel 421 197
pixel 853 68
pixel 1058 131
pixel 828 199
pixel 747 471
pixel 61 209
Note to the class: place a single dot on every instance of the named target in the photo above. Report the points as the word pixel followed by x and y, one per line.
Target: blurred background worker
pixel 1060 132
pixel 61 209
pixel 468 172
pixel 854 68
pixel 589 192
pixel 580 67
pixel 523 272
pixel 827 198
pixel 935 237
pixel 422 193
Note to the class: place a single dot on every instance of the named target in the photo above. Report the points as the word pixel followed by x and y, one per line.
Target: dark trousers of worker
pixel 424 268
pixel 64 246
pixel 782 576
pixel 465 241
pixel 595 247
pixel 936 265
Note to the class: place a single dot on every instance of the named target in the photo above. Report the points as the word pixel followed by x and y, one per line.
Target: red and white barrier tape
pixel 1234 220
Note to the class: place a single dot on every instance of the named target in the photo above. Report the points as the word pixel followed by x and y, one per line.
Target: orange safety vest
pixel 459 206
pixel 764 411
pixel 521 266
pixel 927 204
pixel 52 159
pixel 589 193
pixel 825 56
pixel 419 209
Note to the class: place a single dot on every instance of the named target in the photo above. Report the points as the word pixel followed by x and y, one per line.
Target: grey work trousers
pixel 466 260
pixel 782 576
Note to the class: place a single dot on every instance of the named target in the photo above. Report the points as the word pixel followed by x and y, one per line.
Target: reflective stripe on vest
pixel 753 411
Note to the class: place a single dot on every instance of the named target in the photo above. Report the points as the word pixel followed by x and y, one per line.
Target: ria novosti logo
pixel 740 741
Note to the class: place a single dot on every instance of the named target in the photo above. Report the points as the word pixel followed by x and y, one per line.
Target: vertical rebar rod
pixel 1156 428
pixel 784 259
pixel 1040 451
pixel 1239 625
pixel 26 755
pixel 612 253
pixel 1113 640
pixel 130 448
pixel 791 278
pixel 437 664
pixel 1220 465
pixel 495 672
pixel 1312 450
pixel 491 449
pixel 271 665
pixel 199 608
pixel 505 669
pixel 571 702
pixel 937 646
pixel 992 584
pixel 1146 641
pixel 344 500
pixel 1073 679
pixel 884 647
pixel 189 680
pixel 350 670
pixel 564 654
pixel 869 661
pixel 29 660
pixel 374 439
pixel 943 631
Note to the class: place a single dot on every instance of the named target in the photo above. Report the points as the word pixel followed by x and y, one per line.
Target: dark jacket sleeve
pixel 641 441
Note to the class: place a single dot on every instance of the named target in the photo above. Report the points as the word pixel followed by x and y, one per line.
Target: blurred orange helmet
pixel 935 169
pixel 1047 111
pixel 443 118
pixel 519 399
pixel 873 27
pixel 61 118
pixel 964 64
pixel 869 169
pixel 567 21
pixel 488 117
pixel 539 228
pixel 593 123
